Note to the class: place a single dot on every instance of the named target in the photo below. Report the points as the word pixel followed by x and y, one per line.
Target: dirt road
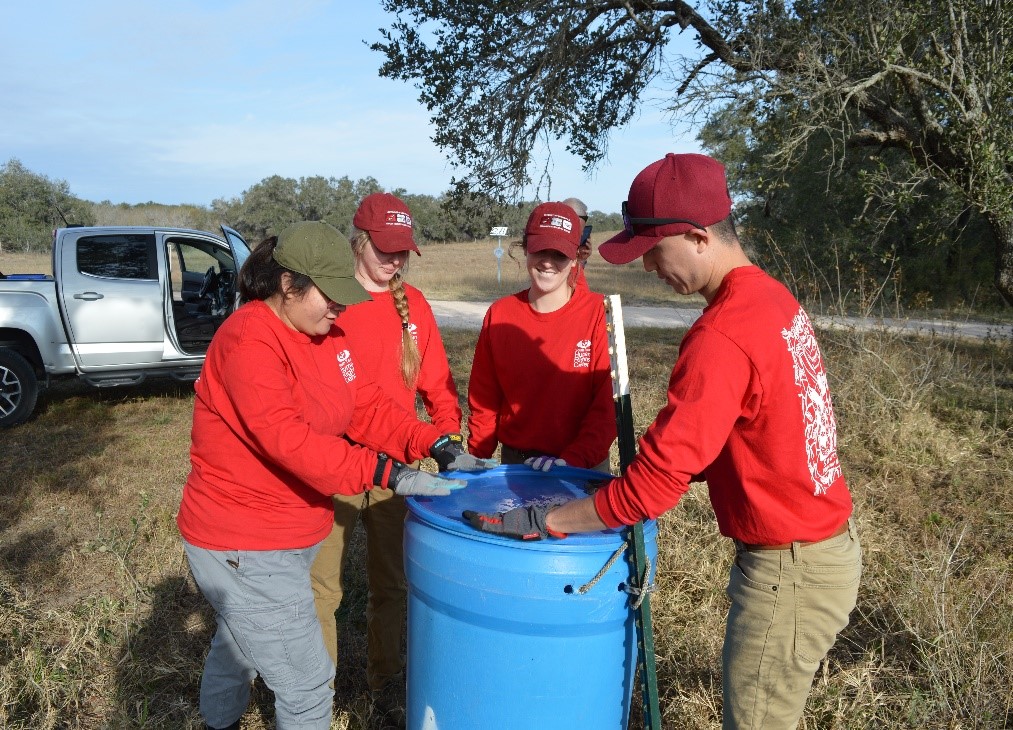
pixel 468 315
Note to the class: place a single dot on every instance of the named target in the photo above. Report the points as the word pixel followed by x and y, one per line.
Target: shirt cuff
pixel 604 509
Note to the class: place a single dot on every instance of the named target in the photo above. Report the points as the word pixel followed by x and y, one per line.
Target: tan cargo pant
pixel 383 514
pixel 787 608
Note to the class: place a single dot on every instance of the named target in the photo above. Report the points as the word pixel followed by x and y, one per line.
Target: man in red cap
pixel 749 411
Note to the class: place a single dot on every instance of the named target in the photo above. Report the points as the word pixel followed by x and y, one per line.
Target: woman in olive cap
pixel 278 392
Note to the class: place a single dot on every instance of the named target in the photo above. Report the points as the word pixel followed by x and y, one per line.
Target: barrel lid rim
pixel 419 507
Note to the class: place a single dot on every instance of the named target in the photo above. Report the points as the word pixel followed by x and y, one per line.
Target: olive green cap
pixel 318 250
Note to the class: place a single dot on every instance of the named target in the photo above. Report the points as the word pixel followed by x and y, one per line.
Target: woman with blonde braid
pixel 394 338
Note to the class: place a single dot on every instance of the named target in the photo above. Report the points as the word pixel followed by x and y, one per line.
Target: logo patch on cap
pixel 558 222
pixel 397 218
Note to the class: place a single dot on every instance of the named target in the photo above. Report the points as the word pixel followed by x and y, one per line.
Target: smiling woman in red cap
pixel 540 383
pixel 277 395
pixel 393 336
pixel 749 411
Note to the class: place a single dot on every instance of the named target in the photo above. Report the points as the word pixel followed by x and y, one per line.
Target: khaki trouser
pixel 383 514
pixel 787 608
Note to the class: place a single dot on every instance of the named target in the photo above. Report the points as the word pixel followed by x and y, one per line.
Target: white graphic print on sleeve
pixel 814 397
pixel 346 365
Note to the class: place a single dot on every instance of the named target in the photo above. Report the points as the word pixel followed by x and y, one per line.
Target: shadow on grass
pixel 160 665
pixel 58 451
pixel 159 668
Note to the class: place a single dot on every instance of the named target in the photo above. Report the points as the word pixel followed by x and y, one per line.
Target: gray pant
pixel 267 625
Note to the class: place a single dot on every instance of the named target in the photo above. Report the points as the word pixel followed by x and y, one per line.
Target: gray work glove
pixel 521 523
pixel 409 482
pixel 545 462
pixel 449 453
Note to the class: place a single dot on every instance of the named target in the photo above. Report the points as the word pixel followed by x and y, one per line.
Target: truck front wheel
pixel 19 388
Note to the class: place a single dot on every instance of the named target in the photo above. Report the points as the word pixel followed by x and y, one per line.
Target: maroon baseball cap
pixel 553 226
pixel 671 196
pixel 387 220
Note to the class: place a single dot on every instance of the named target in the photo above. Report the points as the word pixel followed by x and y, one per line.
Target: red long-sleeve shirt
pixel 749 408
pixel 373 329
pixel 267 450
pixel 540 382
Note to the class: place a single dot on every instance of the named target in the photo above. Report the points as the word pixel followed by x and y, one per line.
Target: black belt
pixel 510 455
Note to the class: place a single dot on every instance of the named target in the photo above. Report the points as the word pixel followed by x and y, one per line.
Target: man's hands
pixel 449 453
pixel 522 523
pixel 544 463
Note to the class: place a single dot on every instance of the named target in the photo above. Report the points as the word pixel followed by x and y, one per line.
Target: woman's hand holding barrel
pixel 449 453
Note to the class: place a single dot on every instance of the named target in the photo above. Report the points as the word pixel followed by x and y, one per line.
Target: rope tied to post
pixel 641 592
pixel 645 589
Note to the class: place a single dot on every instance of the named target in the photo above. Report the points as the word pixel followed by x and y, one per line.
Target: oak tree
pixel 932 79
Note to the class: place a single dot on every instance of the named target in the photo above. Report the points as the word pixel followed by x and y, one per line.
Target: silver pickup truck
pixel 123 303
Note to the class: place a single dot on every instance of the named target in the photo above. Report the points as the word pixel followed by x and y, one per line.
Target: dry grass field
pixel 101 626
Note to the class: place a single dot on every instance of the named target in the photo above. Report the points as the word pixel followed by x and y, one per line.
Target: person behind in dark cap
pixel 540 383
pixel 584 247
pixel 394 337
pixel 749 411
pixel 278 392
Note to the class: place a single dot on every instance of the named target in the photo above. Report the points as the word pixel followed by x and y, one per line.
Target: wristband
pixel 382 473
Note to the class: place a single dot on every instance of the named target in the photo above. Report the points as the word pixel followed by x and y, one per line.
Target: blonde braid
pixel 411 360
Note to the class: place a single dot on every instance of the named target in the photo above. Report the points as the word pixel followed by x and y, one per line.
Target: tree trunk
pixel 1002 228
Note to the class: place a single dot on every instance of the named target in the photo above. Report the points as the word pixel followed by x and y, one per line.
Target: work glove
pixel 544 463
pixel 522 523
pixel 408 482
pixel 449 453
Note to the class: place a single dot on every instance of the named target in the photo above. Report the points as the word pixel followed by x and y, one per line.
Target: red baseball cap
pixel 554 226
pixel 387 220
pixel 671 196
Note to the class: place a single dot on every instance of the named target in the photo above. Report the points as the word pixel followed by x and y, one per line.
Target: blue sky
pixel 186 101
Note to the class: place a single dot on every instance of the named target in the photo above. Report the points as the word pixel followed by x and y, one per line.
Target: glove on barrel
pixel 544 463
pixel 449 453
pixel 522 523
pixel 406 481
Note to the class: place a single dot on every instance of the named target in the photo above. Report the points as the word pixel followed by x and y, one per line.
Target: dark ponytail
pixel 260 277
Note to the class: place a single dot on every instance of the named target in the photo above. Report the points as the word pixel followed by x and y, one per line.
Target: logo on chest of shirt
pixel 413 330
pixel 582 354
pixel 814 398
pixel 346 366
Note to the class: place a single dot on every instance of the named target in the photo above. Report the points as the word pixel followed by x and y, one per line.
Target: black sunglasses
pixel 628 222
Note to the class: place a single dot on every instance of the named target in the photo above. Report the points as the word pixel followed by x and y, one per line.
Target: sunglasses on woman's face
pixel 629 222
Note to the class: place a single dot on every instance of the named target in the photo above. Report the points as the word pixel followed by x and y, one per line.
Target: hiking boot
pixel 389 704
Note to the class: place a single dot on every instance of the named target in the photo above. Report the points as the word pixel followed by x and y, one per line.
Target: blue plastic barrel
pixel 499 635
